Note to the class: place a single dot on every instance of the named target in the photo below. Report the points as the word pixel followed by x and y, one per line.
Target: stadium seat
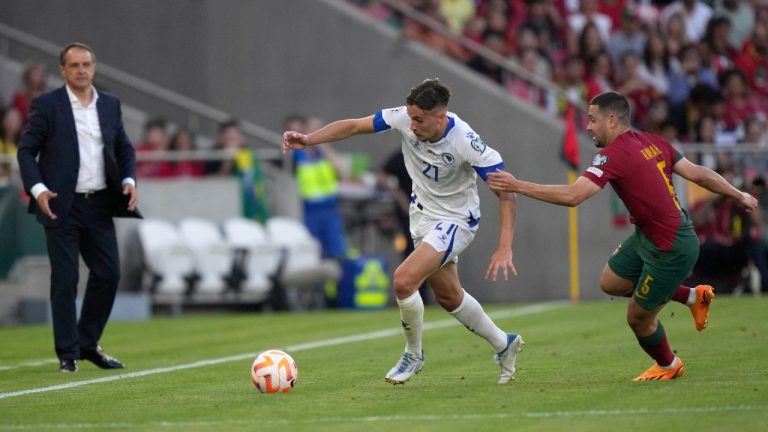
pixel 167 259
pixel 303 264
pixel 213 257
pixel 256 256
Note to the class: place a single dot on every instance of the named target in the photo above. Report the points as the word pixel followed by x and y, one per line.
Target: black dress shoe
pixel 67 365
pixel 100 359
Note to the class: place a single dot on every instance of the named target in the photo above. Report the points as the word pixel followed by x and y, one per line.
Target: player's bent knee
pixel 404 283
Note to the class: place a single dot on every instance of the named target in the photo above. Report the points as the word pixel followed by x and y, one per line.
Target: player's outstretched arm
pixel 565 195
pixel 502 258
pixel 713 182
pixel 331 132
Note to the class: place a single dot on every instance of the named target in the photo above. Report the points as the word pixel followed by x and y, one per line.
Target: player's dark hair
pixel 613 103
pixel 429 94
pixel 78 45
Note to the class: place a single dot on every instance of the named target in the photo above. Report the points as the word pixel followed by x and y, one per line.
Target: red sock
pixel 681 295
pixel 657 347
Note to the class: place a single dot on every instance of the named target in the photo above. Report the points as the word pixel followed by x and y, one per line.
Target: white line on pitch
pixel 509 313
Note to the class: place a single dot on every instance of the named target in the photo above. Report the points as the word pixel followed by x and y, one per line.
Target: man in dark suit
pixel 78 164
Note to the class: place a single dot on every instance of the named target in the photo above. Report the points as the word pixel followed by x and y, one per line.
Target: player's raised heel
pixel 506 358
pixel 658 373
pixel 408 366
pixel 700 308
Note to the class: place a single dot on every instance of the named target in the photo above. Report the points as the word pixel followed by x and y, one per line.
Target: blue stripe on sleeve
pixel 484 171
pixel 379 125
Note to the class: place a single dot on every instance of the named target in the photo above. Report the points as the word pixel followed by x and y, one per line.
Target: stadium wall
pixel 261 60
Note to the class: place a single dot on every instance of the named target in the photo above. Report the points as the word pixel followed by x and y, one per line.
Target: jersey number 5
pixel 661 165
pixel 431 171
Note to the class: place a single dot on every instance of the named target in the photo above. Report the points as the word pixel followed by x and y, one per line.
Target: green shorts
pixel 657 274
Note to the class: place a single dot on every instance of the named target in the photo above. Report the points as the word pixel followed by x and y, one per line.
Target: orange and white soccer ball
pixel 274 371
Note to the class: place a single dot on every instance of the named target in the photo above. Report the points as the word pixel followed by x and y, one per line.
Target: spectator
pixel 542 18
pixel 629 38
pixel 183 141
pixel 742 17
pixel 244 164
pixel 675 35
pixel 695 14
pixel 589 42
pixel 656 67
pixel 723 228
pixel 33 85
pixel 474 29
pixel 718 54
pixel 572 83
pixel 656 117
pixel 740 103
pixel 599 75
pixel 759 244
pixel 487 67
pixel 229 139
pixel 10 132
pixel 682 80
pixel 753 60
pixel 755 164
pixel 631 83
pixel 413 29
pixel 155 140
pixel 614 9
pixel 521 88
pixel 587 15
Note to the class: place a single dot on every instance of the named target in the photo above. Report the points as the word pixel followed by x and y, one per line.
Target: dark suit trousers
pixel 87 230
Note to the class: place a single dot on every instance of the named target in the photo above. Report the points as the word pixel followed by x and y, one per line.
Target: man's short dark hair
pixel 429 94
pixel 231 123
pixel 78 45
pixel 613 103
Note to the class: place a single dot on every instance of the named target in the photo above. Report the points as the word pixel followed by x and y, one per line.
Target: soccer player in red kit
pixel 650 265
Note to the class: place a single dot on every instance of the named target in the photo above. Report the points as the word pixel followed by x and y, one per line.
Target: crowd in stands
pixel 695 71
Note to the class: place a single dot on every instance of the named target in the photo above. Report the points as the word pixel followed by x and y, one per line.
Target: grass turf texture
pixel 574 374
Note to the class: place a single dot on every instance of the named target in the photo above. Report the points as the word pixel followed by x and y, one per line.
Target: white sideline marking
pixel 29 363
pixel 393 418
pixel 525 310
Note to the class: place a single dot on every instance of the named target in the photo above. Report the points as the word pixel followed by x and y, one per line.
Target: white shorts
pixel 447 236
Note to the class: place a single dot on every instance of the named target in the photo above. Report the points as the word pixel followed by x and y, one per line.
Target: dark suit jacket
pixel 49 152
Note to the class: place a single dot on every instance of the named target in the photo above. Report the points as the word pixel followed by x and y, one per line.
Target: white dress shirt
pixel 91 176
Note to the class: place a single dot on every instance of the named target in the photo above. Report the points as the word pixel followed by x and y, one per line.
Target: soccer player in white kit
pixel 443 156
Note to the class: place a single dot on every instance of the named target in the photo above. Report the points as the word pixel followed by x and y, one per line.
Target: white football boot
pixel 506 358
pixel 408 366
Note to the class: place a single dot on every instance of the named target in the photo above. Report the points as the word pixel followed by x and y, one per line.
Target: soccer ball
pixel 274 371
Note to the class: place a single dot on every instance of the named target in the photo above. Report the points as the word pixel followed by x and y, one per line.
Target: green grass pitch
pixel 574 374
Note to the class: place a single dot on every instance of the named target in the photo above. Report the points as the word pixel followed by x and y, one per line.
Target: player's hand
pixel 293 140
pixel 43 202
pixel 502 181
pixel 129 189
pixel 748 201
pixel 501 260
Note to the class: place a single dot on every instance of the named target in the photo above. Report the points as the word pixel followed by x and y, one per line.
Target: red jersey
pixel 639 167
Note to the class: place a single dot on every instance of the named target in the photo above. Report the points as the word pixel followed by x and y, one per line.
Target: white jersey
pixel 444 173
